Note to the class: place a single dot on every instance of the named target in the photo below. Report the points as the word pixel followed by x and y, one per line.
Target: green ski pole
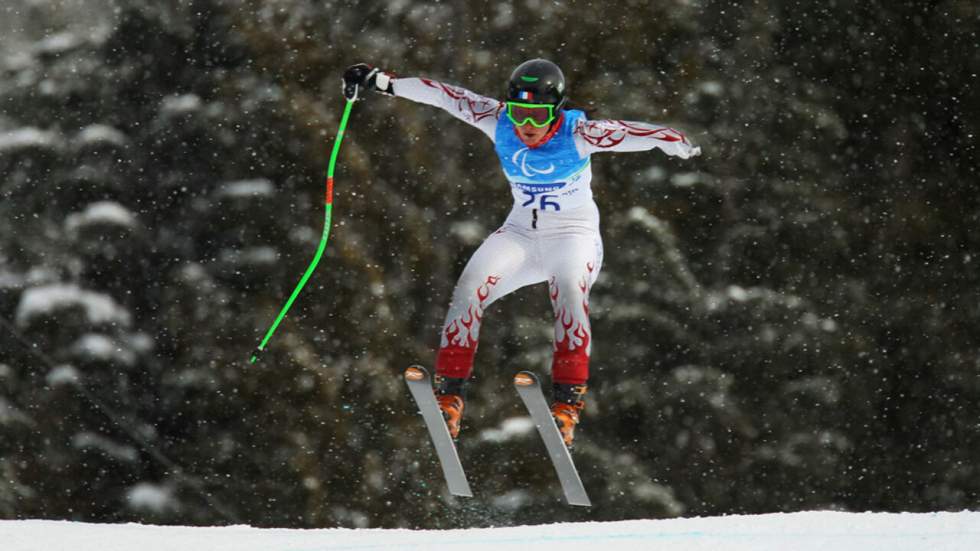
pixel 323 240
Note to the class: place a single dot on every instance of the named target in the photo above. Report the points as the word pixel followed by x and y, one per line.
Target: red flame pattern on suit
pixel 609 133
pixel 466 101
pixel 573 333
pixel 461 336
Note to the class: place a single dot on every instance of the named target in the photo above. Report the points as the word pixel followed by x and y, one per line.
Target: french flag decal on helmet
pixel 526 95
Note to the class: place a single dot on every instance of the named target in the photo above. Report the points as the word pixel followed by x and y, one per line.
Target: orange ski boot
pixel 450 393
pixel 566 406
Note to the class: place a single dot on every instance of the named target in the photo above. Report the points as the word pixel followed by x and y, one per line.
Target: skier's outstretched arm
pixel 479 111
pixel 613 135
pixel 474 109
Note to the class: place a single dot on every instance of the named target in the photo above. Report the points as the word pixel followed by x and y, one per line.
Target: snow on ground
pixel 822 531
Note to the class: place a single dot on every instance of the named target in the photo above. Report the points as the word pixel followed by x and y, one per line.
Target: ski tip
pixel 415 373
pixel 525 378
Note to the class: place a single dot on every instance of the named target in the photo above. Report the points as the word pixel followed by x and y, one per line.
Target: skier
pixel 552 232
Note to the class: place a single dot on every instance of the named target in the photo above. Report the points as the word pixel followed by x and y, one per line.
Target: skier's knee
pixel 568 289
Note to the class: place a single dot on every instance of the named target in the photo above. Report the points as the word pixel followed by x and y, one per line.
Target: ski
pixel 420 385
pixel 529 389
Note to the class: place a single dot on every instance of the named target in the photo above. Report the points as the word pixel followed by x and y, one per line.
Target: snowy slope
pixel 783 532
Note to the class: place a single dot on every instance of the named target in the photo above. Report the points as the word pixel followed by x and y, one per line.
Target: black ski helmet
pixel 537 81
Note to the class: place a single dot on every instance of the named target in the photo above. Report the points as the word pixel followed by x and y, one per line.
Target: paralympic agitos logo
pixel 520 161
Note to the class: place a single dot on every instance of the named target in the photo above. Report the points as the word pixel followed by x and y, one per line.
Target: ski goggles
pixel 537 114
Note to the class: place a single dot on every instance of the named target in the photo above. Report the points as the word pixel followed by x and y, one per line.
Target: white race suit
pixel 552 232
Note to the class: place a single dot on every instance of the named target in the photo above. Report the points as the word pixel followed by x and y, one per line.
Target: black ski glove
pixel 362 76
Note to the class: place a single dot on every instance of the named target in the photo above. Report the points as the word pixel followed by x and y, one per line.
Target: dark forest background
pixel 788 322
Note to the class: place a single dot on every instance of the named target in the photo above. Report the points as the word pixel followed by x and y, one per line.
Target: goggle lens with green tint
pixel 539 115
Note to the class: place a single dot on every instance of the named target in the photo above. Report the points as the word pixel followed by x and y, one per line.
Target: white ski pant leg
pixel 563 249
pixel 504 263
pixel 571 270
